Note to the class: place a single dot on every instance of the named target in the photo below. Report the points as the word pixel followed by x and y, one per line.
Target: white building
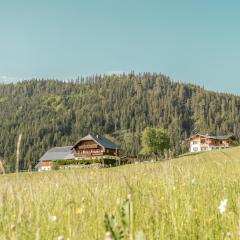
pixel 201 142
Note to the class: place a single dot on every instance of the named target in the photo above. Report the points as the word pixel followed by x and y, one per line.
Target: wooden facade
pixel 92 147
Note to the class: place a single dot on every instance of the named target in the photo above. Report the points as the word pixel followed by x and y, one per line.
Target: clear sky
pixel 190 41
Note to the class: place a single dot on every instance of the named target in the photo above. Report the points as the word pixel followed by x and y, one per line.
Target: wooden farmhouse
pixel 90 147
pixel 94 146
pixel 199 142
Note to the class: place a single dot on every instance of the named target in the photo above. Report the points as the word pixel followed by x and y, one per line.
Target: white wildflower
pixel 52 218
pixel 118 201
pixel 108 236
pixel 223 205
pixel 228 234
pixel 13 227
pixel 60 238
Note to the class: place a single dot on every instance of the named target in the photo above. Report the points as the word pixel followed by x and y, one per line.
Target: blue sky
pixel 190 41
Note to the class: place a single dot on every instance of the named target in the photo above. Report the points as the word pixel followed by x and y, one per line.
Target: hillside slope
pixel 53 113
pixel 175 199
pixel 217 156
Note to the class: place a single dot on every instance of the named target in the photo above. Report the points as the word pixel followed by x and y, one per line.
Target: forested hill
pixel 53 113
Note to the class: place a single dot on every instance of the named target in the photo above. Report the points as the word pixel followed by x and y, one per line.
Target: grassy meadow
pixel 175 199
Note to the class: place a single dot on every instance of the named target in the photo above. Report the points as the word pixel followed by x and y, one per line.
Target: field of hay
pixel 175 199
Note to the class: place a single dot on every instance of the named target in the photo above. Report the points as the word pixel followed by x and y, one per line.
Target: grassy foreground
pixel 176 199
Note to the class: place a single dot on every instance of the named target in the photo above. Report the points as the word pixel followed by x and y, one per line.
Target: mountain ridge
pixel 55 113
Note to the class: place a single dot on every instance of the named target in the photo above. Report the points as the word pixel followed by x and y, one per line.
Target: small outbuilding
pixel 57 153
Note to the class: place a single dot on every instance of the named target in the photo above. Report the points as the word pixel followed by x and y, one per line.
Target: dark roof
pixel 214 137
pixel 58 153
pixel 102 141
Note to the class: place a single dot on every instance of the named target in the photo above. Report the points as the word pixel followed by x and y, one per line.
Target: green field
pixel 175 199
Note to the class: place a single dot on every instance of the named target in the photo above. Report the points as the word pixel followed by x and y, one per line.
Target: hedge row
pixel 107 161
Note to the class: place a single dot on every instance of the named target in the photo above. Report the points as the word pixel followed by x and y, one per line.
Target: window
pixel 195 149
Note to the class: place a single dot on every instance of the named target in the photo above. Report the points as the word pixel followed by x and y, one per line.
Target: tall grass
pixel 2 169
pixel 18 152
pixel 176 199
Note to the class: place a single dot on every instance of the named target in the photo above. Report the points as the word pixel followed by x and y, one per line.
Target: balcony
pixel 89 146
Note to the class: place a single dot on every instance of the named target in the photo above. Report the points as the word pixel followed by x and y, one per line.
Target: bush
pixel 76 162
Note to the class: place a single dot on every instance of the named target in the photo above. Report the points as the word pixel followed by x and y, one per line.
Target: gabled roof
pixel 102 141
pixel 58 153
pixel 224 137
